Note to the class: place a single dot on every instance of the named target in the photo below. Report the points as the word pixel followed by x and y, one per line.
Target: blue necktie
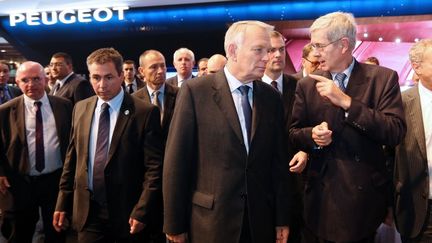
pixel 40 151
pixel 340 77
pixel 101 155
pixel 247 111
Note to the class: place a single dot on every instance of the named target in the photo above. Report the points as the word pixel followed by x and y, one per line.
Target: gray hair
pixel 418 49
pixel 339 25
pixel 235 33
pixel 184 50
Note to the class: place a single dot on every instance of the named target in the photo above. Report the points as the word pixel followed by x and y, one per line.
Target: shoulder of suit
pixel 59 99
pixel 172 88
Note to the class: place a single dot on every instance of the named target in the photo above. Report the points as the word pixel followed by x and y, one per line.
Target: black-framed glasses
pixel 320 47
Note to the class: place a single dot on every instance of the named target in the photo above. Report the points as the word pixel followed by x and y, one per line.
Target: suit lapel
pixel 416 117
pixel 145 94
pixel 18 114
pixel 168 103
pixel 223 98
pixel 65 85
pixel 125 112
pixel 85 118
pixel 258 101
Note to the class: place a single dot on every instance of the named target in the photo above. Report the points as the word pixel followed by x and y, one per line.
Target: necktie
pixel 340 77
pixel 40 151
pixel 157 103
pixel 56 88
pixel 247 111
pixel 130 88
pixel 101 155
pixel 274 84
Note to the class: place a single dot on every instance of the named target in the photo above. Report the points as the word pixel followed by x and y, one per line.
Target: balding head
pixel 216 63
pixel 30 77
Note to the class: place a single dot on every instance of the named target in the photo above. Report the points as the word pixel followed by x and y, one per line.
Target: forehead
pixel 128 65
pixel 57 59
pixel 152 58
pixel 255 35
pixel 277 42
pixel 183 55
pixel 4 67
pixel 102 69
pixel 33 71
pixel 319 36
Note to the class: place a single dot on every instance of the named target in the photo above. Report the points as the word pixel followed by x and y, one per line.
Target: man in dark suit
pixel 286 85
pixel 184 61
pixel 224 180
pixel 156 91
pixel 34 134
pixel 309 63
pixel 112 172
pixel 7 92
pixel 343 125
pixel 413 160
pixel 131 82
pixel 68 85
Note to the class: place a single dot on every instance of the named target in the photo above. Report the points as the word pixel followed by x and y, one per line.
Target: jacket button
pixel 357 158
pixel 360 188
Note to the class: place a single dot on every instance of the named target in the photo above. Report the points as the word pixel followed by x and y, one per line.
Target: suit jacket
pixel 140 84
pixel 169 103
pixel 132 173
pixel 411 175
pixel 14 160
pixel 14 91
pixel 174 80
pixel 75 88
pixel 208 173
pixel 346 195
pixel 298 75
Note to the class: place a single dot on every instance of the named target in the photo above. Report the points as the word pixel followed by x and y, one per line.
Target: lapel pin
pixel 126 112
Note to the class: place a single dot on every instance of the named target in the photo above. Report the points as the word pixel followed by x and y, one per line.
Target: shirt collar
pixel 29 102
pixel 114 103
pixel 268 80
pixel 233 82
pixel 64 80
pixel 347 71
pixel 161 89
pixel 425 93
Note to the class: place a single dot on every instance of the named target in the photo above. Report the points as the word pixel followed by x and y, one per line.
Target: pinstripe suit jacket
pixel 411 170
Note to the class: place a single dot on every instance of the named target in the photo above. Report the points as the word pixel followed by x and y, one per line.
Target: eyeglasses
pixel 320 47
pixel 313 63
pixel 56 64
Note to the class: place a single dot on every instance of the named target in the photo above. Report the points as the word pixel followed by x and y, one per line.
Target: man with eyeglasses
pixel 309 63
pixel 342 116
pixel 34 134
pixel 68 84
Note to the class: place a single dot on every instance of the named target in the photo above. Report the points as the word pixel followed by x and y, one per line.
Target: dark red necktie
pixel 40 151
pixel 274 84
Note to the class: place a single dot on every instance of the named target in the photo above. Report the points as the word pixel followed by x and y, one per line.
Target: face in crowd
pixel 59 68
pixel 153 69
pixel 31 79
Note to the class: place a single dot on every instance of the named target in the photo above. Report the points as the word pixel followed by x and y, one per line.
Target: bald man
pixel 34 133
pixel 215 63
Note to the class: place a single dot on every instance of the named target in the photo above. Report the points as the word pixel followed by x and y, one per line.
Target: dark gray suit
pixel 75 88
pixel 208 175
pixel 411 175
pixel 169 103
pixel 346 195
pixel 132 173
pixel 174 80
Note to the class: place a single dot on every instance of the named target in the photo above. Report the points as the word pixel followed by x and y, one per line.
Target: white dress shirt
pixel 51 141
pixel 279 81
pixel 234 84
pixel 114 109
pixel 426 109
